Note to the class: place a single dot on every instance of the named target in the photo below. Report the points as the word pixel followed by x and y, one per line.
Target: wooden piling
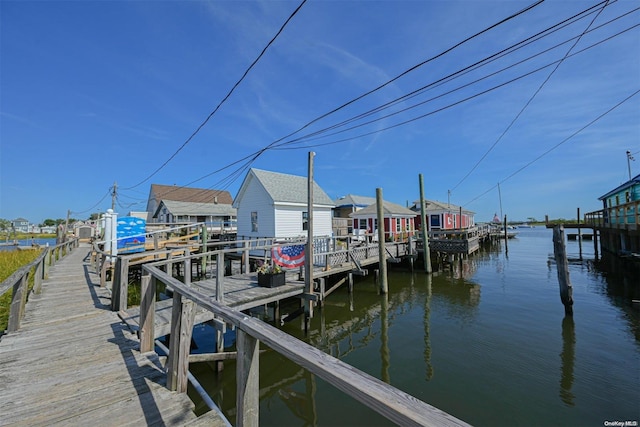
pixel 425 232
pixel 579 233
pixel 506 235
pixel 308 258
pixel 560 252
pixel 382 256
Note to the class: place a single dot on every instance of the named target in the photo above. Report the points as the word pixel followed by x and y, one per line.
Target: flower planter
pixel 271 280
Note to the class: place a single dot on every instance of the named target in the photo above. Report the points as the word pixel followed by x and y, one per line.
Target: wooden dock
pixel 74 363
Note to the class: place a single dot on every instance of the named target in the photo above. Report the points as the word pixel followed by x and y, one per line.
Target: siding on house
pixel 158 192
pixel 260 203
pixel 280 199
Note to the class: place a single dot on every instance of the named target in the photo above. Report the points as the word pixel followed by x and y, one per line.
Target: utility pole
pixel 114 193
pixel 629 158
pixel 308 256
pixel 425 233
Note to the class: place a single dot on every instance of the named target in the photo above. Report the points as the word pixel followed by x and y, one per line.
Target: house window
pixel 254 222
pixel 398 225
pixel 435 220
pixel 362 224
pixel 305 221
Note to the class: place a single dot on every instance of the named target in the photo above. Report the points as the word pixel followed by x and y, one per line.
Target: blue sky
pixel 97 92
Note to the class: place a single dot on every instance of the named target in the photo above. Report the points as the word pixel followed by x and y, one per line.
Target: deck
pixel 74 363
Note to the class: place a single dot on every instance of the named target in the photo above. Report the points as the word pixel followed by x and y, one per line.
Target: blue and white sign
pixel 131 234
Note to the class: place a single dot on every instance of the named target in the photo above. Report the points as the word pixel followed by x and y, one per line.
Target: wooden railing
pixel 330 254
pixel 19 281
pixel 624 216
pixel 396 405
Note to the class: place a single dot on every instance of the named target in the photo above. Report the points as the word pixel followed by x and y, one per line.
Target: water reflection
pixel 568 357
pixel 427 340
pixel 385 355
pixel 302 404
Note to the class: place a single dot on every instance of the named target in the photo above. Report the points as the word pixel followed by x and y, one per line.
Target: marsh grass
pixel 10 262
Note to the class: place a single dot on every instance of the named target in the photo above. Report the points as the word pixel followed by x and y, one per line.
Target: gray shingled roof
pixel 436 205
pixel 353 200
pixel 284 188
pixel 387 207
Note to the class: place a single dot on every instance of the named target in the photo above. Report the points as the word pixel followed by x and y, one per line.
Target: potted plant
pixel 270 275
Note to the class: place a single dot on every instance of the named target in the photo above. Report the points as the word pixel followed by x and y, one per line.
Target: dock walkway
pixel 74 363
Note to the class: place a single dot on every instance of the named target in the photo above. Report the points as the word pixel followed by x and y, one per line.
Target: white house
pixel 271 204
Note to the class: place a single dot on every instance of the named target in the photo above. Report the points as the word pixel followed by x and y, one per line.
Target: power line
pixel 404 73
pixel 531 98
pixel 557 145
pixel 254 156
pixel 483 62
pixel 446 107
pixel 108 193
pixel 223 100
pixel 412 94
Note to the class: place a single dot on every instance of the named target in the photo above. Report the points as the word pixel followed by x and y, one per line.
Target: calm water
pixel 487 342
pixel 28 243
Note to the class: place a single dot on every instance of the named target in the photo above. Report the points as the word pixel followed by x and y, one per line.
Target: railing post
pixel 247 380
pixel 147 312
pixel 47 263
pixel 18 301
pixel 219 277
pixel 37 279
pixel 182 318
pixel 115 285
pixel 124 283
pixel 245 256
pixel 187 267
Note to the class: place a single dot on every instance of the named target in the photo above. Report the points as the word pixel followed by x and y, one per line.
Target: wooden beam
pixel 247 380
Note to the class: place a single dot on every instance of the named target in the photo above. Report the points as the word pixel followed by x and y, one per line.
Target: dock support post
pixel 182 318
pixel 205 249
pixel 308 258
pixel 187 267
pixel 425 232
pixel 506 235
pixel 382 258
pixel 245 258
pixel 579 233
pixel 219 277
pixel 595 243
pixel 147 312
pixel 350 276
pixel 219 349
pixel 560 252
pixel 247 380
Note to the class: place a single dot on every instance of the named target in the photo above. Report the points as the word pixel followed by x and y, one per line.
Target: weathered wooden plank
pixel 76 363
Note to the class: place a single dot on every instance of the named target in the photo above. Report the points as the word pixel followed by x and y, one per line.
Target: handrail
pixel 392 403
pixel 19 280
pixel 626 215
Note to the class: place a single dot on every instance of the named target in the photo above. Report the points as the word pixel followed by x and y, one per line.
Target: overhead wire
pixel 259 152
pixel 577 132
pixel 478 64
pixel 531 98
pixel 448 106
pixel 246 161
pixel 310 137
pixel 108 193
pixel 215 110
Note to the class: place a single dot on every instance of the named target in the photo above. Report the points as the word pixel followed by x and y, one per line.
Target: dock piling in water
pixel 560 253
